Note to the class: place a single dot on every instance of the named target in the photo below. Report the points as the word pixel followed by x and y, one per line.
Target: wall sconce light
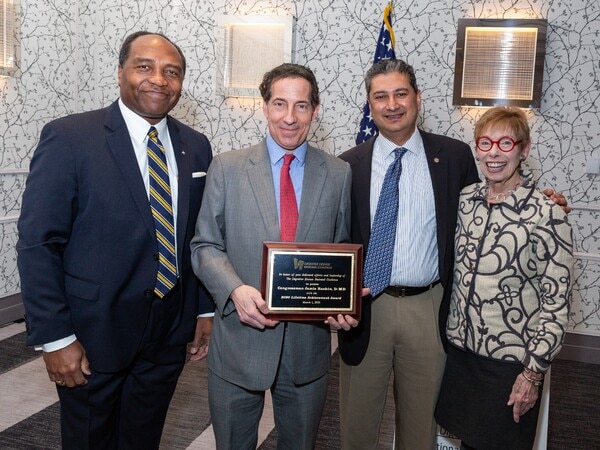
pixel 9 47
pixel 249 46
pixel 499 62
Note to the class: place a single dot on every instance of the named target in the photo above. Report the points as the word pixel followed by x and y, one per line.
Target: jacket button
pixel 148 293
pixel 156 257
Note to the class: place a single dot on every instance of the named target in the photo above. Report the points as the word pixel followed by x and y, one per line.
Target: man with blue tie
pixel 408 264
pixel 399 330
pixel 107 216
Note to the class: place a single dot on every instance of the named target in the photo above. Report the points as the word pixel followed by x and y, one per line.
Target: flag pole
pixel 387 20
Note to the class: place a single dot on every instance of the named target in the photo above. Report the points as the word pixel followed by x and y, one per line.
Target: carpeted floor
pixel 574 417
pixel 29 412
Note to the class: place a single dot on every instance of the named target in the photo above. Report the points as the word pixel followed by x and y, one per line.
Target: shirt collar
pixel 138 126
pixel 276 152
pixel 413 145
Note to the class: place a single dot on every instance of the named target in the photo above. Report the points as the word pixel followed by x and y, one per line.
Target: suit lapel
pixel 439 171
pixel 438 167
pixel 119 143
pixel 361 178
pixel 183 183
pixel 360 159
pixel 315 175
pixel 260 177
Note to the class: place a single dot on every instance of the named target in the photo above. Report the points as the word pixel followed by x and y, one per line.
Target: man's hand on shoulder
pixel 558 198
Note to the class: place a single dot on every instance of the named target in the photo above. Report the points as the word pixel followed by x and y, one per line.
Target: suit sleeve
pixel 205 301
pixel 472 176
pixel 48 210
pixel 553 244
pixel 209 250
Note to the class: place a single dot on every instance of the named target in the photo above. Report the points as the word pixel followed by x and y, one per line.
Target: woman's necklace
pixel 496 198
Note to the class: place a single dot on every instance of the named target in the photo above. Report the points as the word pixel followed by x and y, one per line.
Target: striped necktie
pixel 288 207
pixel 380 253
pixel 162 211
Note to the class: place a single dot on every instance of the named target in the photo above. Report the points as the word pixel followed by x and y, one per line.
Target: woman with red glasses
pixel 510 298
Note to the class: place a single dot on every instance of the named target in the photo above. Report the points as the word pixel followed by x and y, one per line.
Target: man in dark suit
pixel 400 332
pixel 114 337
pixel 243 206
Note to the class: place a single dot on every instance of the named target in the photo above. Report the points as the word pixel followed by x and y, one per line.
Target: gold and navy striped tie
pixel 162 211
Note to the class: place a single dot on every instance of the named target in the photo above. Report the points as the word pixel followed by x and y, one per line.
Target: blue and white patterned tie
pixel 162 211
pixel 380 254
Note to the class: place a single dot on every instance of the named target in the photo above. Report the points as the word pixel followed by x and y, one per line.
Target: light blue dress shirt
pixel 296 168
pixel 415 249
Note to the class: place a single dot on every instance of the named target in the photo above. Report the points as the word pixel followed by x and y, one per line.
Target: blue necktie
pixel 162 211
pixel 380 254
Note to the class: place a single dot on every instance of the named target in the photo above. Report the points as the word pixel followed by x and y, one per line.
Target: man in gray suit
pixel 250 353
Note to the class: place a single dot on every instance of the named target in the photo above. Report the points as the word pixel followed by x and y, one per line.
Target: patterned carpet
pixel 29 412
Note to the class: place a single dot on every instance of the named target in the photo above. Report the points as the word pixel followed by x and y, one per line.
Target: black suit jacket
pixel 87 246
pixel 452 167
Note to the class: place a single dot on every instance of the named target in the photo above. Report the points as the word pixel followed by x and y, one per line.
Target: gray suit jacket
pixel 238 213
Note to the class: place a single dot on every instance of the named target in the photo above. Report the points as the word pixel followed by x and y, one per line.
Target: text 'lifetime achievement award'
pixel 305 281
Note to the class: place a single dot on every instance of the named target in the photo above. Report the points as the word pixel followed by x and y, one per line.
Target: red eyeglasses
pixel 505 143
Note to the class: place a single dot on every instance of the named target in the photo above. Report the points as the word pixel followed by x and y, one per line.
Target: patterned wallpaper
pixel 69 64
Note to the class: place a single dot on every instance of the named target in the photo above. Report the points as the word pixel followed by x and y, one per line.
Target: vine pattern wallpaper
pixel 69 64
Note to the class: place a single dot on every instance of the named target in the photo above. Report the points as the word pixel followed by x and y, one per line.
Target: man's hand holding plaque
pixel 252 310
pixel 345 322
pixel 313 281
pixel 251 307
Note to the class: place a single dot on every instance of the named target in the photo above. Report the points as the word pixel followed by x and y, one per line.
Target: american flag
pixel 384 50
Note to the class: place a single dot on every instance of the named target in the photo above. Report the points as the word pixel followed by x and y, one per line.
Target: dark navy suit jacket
pixel 87 248
pixel 451 167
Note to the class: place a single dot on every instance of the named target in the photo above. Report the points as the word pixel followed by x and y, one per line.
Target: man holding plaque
pixel 282 189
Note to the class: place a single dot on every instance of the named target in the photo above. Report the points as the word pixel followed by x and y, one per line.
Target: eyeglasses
pixel 505 143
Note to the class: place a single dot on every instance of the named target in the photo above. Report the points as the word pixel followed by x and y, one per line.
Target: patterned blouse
pixel 513 275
